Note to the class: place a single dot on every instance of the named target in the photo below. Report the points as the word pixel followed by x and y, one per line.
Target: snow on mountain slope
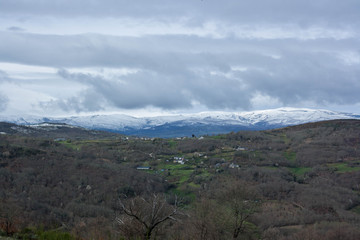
pixel 264 119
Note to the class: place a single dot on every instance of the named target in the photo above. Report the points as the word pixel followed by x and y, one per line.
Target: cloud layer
pixel 80 56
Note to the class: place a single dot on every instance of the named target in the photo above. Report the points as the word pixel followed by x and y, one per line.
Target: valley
pixel 297 182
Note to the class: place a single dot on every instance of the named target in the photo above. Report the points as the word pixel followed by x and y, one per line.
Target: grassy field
pixel 299 171
pixel 343 167
pixel 291 156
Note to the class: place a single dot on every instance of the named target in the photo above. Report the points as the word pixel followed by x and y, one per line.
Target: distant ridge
pixel 55 131
pixel 205 123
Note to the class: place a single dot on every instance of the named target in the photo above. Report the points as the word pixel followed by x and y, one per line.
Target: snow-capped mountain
pixel 188 124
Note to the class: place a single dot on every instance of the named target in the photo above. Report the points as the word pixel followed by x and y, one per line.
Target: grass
pixel 205 173
pixel 171 166
pixel 356 209
pixel 221 136
pixel 194 185
pixel 184 194
pixel 172 144
pixel 71 145
pixel 184 175
pixel 343 167
pixel 179 174
pixel 285 138
pixel 291 156
pixel 226 155
pixel 271 168
pixel 299 171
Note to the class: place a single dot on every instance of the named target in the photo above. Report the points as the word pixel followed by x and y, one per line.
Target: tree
pixel 142 216
pixel 206 221
pixel 243 204
pixel 9 217
pixel 240 202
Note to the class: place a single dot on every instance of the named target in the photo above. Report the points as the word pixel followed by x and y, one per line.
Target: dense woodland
pixel 299 182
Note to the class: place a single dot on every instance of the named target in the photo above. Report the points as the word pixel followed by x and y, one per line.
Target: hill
pixel 298 182
pixel 56 131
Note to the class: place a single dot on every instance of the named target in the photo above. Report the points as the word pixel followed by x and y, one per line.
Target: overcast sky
pixel 143 57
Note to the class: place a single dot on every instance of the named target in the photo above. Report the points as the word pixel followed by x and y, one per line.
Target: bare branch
pixel 150 212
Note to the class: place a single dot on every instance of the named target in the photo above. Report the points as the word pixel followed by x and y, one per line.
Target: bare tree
pixel 142 216
pixel 206 221
pixel 239 202
pixel 243 204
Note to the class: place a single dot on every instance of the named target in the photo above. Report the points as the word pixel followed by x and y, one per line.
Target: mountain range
pixel 204 123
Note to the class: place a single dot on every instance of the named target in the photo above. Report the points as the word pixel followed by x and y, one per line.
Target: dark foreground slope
pixel 300 182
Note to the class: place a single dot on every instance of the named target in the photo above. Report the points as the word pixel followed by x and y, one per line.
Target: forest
pixel 298 182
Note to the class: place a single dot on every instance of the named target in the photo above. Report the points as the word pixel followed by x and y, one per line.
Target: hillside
pixel 56 131
pixel 298 182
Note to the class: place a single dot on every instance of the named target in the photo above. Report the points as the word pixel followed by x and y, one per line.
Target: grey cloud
pixel 4 100
pixel 174 71
pixel 15 29
pixel 302 11
pixel 316 77
pixel 162 53
pixel 165 91
pixel 135 91
pixel 4 77
pixel 170 79
pixel 84 102
pixel 284 81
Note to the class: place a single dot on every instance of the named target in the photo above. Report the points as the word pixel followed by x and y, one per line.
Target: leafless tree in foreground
pixel 240 202
pixel 142 216
pixel 242 206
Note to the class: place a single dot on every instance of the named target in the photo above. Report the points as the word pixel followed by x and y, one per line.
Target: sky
pixel 158 57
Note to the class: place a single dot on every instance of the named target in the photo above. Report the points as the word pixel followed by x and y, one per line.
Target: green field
pixel 343 167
